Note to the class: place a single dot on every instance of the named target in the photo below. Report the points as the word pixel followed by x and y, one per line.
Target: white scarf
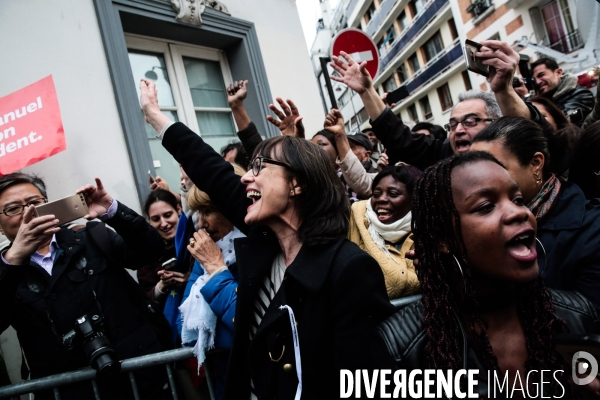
pixel 199 322
pixel 380 232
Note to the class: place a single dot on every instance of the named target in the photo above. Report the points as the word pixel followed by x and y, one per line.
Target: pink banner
pixel 31 128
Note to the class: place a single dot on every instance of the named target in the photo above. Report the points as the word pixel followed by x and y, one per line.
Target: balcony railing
pixel 351 8
pixel 569 43
pixel 436 66
pixel 411 33
pixel 379 17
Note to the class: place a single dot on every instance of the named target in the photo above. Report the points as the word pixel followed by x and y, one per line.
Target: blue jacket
pixel 570 234
pixel 220 292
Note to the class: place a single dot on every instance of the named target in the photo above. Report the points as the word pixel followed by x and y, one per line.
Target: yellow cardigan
pixel 400 277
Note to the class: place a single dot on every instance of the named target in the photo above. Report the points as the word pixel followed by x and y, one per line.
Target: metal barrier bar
pixel 88 374
pixel 136 394
pixel 96 391
pixel 171 381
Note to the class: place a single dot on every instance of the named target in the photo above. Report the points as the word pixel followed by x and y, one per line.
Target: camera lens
pixel 102 357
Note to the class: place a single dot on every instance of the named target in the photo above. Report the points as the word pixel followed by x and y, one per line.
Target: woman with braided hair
pixel 484 305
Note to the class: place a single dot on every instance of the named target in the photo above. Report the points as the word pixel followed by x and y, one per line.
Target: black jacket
pixel 401 339
pixel 570 233
pixel 419 150
pixel 42 308
pixel 569 96
pixel 336 292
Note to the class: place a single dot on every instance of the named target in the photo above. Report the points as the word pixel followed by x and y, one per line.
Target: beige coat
pixel 399 272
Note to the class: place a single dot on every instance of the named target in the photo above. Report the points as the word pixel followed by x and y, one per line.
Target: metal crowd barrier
pixel 166 357
pixel 88 374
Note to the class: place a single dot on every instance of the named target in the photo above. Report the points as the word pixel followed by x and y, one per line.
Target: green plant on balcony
pixel 478 7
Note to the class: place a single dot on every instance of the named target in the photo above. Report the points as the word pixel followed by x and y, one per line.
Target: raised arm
pixel 353 171
pixel 503 61
pixel 205 167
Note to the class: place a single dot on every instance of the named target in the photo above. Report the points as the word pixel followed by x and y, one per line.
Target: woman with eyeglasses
pixel 308 299
pixel 568 224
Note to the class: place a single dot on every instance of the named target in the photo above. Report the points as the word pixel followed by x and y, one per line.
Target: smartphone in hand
pixel 65 210
pixel 397 95
pixel 170 265
pixel 474 63
pixel 151 179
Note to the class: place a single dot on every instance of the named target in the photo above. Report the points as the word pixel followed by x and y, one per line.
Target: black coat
pixel 401 339
pixel 336 292
pixel 31 298
pixel 416 149
pixel 570 233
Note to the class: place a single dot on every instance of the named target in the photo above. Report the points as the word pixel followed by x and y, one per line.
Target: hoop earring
pixel 545 256
pixel 537 178
pixel 461 271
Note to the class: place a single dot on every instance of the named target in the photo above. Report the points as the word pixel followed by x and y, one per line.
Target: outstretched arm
pixel 205 167
pixel 236 94
pixel 354 173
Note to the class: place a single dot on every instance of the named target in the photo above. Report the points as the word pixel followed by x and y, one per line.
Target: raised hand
pixel 149 104
pixel 502 60
pixel 353 74
pixel 334 123
pixel 97 198
pixel 204 249
pixel 383 161
pixel 237 92
pixel 290 121
pixel 32 233
pixel 158 183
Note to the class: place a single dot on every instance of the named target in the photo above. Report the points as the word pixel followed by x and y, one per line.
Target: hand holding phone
pixel 397 95
pixel 97 199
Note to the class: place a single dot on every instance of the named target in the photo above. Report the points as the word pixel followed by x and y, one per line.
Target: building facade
pixel 420 46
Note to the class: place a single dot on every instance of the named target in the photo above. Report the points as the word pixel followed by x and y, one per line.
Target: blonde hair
pixel 198 199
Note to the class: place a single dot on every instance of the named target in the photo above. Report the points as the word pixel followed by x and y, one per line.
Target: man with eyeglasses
pixel 473 112
pixel 52 276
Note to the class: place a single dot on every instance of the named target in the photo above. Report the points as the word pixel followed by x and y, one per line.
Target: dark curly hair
pixel 445 291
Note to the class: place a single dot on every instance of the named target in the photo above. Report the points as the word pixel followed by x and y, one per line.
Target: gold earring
pixel 537 178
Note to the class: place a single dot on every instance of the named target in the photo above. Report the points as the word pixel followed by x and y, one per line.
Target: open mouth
pixel 383 214
pixel 254 196
pixel 463 146
pixel 522 246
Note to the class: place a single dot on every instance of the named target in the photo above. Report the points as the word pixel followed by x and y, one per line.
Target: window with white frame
pixel 191 84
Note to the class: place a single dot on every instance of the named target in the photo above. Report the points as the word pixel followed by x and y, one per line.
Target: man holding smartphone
pixel 52 278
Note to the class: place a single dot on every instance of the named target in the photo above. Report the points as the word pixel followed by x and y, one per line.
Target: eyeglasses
pixel 256 165
pixel 468 122
pixel 18 209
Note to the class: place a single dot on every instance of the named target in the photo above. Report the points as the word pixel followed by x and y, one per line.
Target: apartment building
pixel 420 46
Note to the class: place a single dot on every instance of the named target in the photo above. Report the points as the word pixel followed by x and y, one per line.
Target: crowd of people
pixel 281 274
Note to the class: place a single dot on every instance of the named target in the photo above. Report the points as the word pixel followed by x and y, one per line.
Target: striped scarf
pixel 542 202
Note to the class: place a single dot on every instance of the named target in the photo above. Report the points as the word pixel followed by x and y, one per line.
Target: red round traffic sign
pixel 359 46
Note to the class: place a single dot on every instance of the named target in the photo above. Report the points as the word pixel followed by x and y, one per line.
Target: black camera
pixel 95 345
pixel 527 72
pixel 575 116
